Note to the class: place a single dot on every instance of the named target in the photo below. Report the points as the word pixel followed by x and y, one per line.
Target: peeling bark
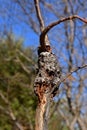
pixel 42 113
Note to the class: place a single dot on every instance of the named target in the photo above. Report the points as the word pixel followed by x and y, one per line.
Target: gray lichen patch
pixel 48 70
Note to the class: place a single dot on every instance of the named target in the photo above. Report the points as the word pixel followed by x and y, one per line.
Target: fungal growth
pixel 48 75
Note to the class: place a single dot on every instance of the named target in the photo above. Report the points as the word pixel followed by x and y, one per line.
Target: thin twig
pixel 55 90
pixel 75 70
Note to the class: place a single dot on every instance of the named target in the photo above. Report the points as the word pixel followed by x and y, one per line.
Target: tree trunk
pixel 42 113
pixel 46 80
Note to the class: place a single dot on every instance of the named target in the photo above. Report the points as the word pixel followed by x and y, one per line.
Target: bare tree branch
pixel 81 123
pixel 50 26
pixel 75 70
pixel 4 98
pixel 22 65
pixel 64 117
pixel 68 96
pixel 42 26
pixel 73 122
pixel 39 16
pixel 9 112
pixel 26 57
pixel 55 89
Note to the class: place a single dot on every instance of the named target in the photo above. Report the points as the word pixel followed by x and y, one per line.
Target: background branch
pixel 8 111
pixel 55 90
pixel 75 70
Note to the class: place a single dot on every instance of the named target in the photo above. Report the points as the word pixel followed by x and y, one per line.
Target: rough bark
pixel 47 78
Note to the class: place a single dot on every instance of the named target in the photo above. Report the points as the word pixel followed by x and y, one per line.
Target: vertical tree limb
pixel 39 15
pixel 48 73
pixel 42 26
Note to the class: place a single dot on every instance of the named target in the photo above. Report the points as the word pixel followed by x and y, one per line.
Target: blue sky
pixel 11 16
pixel 9 22
pixel 29 37
pixel 11 19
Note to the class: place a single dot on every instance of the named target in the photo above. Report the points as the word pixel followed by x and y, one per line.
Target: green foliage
pixel 16 85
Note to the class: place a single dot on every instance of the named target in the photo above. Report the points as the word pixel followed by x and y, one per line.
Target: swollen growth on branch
pixel 48 73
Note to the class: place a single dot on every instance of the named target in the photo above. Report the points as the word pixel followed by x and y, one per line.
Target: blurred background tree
pixel 17 63
pixel 17 99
